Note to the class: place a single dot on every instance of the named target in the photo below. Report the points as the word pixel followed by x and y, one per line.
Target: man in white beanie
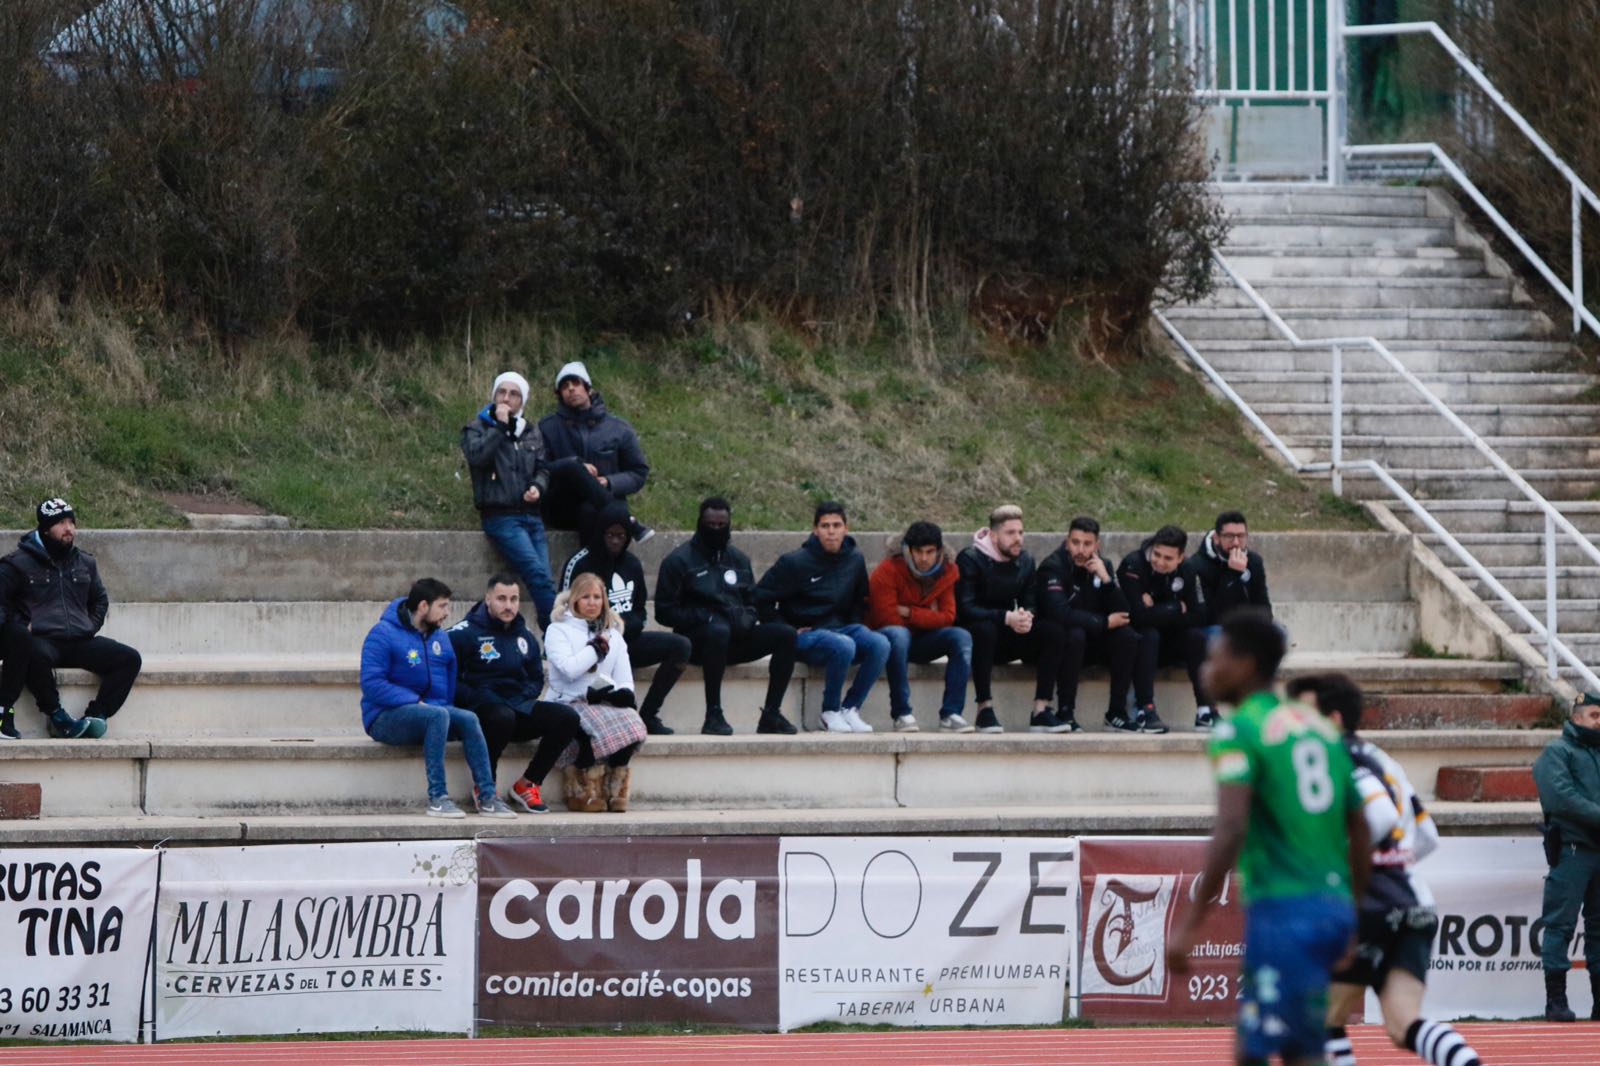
pixel 594 456
pixel 509 479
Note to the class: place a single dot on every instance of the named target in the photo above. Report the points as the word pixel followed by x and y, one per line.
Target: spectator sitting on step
pixel 1079 592
pixel 705 590
pixel 499 677
pixel 1165 607
pixel 408 683
pixel 912 600
pixel 594 456
pixel 1227 574
pixel 52 606
pixel 1567 774
pixel 820 588
pixel 997 602
pixel 605 554
pixel 510 478
pixel 589 671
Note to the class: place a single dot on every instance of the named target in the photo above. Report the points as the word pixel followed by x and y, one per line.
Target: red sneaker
pixel 527 796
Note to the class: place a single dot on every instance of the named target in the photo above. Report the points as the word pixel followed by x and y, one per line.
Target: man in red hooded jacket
pixel 911 599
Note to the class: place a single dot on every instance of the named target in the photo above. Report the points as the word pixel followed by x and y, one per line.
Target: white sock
pixel 1339 1049
pixel 1440 1044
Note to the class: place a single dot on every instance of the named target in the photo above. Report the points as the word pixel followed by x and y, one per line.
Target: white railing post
pixel 1577 259
pixel 1336 92
pixel 1550 592
pixel 1336 401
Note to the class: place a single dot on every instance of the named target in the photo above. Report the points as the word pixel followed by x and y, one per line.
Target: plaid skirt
pixel 610 729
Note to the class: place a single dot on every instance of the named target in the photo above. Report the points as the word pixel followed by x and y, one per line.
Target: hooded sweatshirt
pixel 991 584
pixel 595 436
pixel 1076 597
pixel 1220 588
pixel 56 593
pixel 505 458
pixel 1177 604
pixel 932 600
pixel 810 587
pixel 399 666
pixel 496 662
pixel 1567 774
pixel 623 574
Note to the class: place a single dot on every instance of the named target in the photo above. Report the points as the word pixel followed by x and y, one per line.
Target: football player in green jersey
pixel 1289 815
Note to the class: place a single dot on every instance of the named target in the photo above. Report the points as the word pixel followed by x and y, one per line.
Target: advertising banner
pixel 75 933
pixel 628 930
pixel 315 938
pixel 909 931
pixel 1134 891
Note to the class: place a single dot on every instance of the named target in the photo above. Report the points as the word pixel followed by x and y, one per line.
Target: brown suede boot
pixel 619 781
pixel 594 789
pixel 572 787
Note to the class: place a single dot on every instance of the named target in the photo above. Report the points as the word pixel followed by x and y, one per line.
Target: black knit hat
pixel 52 511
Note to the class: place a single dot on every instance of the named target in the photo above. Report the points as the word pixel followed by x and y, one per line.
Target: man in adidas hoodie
pixel 605 554
pixel 594 456
pixel 1165 607
pixel 1081 593
pixel 997 602
pixel 821 589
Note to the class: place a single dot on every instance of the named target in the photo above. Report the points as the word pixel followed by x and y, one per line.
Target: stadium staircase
pixel 245 724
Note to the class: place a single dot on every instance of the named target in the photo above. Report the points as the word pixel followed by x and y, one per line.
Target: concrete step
pixel 1421 357
pixel 1314 231
pixel 1454 451
pixel 1445 711
pixel 1443 484
pixel 1552 420
pixel 1285 294
pixel 1387 202
pixel 1572 615
pixel 234 778
pixel 1513 549
pixel 1527 583
pixel 1425 324
pixel 1486 784
pixel 1452 387
pixel 1506 515
pixel 1260 261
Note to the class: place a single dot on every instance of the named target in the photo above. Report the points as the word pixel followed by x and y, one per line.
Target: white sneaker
pixel 836 722
pixel 906 724
pixel 954 723
pixel 853 719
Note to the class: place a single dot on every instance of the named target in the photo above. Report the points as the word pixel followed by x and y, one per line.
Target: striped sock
pixel 1339 1049
pixel 1439 1044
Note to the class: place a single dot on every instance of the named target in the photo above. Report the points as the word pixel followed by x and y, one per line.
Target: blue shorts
pixel 1290 945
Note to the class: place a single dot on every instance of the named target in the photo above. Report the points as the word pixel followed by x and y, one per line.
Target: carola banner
pixel 640 929
pixel 907 931
pixel 1134 890
pixel 315 938
pixel 75 934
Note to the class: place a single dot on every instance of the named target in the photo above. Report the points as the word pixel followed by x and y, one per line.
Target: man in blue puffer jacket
pixel 408 678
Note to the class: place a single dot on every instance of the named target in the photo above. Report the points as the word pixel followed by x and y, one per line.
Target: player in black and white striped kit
pixel 1396 918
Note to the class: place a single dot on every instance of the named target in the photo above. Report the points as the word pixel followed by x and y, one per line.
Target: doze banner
pixel 1134 890
pixel 629 930
pixel 315 938
pixel 906 931
pixel 75 933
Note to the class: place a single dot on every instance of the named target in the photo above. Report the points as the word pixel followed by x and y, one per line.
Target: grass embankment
pixel 114 414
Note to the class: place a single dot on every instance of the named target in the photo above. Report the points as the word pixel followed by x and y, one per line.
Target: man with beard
pixel 1227 574
pixel 52 606
pixel 605 554
pixel 705 590
pixel 1080 593
pixel 594 456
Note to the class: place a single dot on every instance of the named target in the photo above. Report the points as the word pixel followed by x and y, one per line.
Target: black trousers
pixel 117 665
pixel 573 497
pixel 669 654
pixel 16 649
pixel 1168 647
pixel 714 646
pixel 1044 646
pixel 554 724
pixel 1116 649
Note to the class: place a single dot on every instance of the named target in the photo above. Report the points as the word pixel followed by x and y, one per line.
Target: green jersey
pixel 1301 791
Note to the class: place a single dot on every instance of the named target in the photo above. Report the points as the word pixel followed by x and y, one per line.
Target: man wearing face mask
pixel 605 554
pixel 705 591
pixel 1567 774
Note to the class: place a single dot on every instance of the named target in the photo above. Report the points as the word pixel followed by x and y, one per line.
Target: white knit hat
pixel 510 377
pixel 574 370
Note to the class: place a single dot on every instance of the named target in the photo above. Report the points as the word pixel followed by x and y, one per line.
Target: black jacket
pixel 1220 587
pixel 988 589
pixel 496 662
pixel 596 436
pixel 504 463
pixel 61 598
pixel 810 587
pixel 1075 597
pixel 623 575
pixel 696 585
pixel 1138 577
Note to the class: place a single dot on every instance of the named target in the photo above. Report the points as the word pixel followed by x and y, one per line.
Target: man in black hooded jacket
pixel 706 591
pixel 605 554
pixel 1165 607
pixel 1080 592
pixel 592 455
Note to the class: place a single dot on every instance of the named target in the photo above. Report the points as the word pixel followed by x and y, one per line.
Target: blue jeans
pixel 431 726
pixel 834 649
pixel 924 646
pixel 520 538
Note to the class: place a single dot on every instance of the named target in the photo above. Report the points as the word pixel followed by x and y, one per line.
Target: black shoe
pixel 1045 721
pixel 1069 719
pixel 715 726
pixel 8 725
pixel 775 722
pixel 1555 998
pixel 1594 991
pixel 1206 718
pixel 641 532
pixel 1150 721
pixel 1118 719
pixel 988 723
pixel 654 726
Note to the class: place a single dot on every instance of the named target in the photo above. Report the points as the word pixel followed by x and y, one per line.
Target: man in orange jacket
pixel 912 601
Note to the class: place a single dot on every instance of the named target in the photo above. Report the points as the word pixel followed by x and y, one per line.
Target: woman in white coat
pixel 589 672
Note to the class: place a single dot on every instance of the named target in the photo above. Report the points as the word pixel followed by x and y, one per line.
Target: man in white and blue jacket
pixel 408 680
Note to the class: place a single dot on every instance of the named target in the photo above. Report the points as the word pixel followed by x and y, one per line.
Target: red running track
pixel 1500 1044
